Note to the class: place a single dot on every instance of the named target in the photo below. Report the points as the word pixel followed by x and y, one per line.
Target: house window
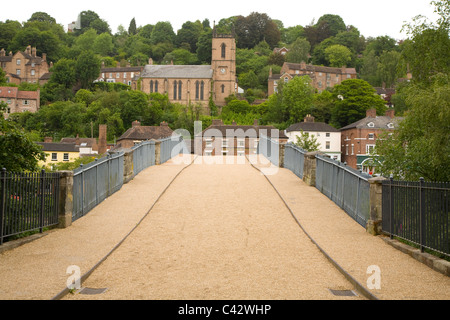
pixel 371 136
pixel 346 149
pixel 353 149
pixel 110 75
pixel 327 145
pixel 124 75
pixel 327 134
pixel 54 156
pixel 18 72
pixel 33 64
pixel 25 102
pixel 33 72
pixel 18 61
pixel 66 157
pixel 370 148
pixel 117 75
pixel 241 143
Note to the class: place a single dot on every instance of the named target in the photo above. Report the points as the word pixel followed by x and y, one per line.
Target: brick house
pixel 137 133
pixel 24 66
pixel 359 138
pixel 187 84
pixel 19 101
pixel 123 75
pixel 329 138
pixel 58 152
pixel 235 140
pixel 322 77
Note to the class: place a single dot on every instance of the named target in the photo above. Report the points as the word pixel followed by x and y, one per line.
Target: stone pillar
pixel 128 166
pixel 157 152
pixel 102 139
pixel 281 155
pixel 309 168
pixel 376 204
pixel 65 199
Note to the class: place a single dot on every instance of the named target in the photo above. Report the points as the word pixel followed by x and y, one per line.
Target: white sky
pixel 372 18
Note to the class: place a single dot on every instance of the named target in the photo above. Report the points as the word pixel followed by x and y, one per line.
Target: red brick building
pixel 359 138
pixel 19 101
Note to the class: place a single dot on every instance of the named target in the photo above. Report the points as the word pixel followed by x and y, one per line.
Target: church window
pixel 179 89
pixel 223 88
pixel 223 47
pixel 175 84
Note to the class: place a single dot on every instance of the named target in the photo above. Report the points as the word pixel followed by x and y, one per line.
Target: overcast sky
pixel 372 18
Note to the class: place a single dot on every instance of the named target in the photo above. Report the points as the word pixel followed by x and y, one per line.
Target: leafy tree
pixel 353 97
pixel 163 32
pixel 42 17
pixel 338 55
pixel 87 68
pixel 307 142
pixel 289 35
pixel 388 68
pixel 333 24
pixel 255 28
pixel 8 30
pixel 298 97
pixel 420 144
pixel 190 33
pixel 17 151
pixel 204 46
pixel 103 44
pixel 299 51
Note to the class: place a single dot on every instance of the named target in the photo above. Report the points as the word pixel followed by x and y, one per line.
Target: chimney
pixel 102 138
pixel 150 61
pixel 234 123
pixel 255 122
pixel 77 140
pixel 372 113
pixel 103 64
pixel 48 139
pixel 303 65
pixel 44 57
pixel 2 52
pixel 308 118
pixel 217 122
pixel 135 124
pixel 390 113
pixel 270 72
pixel 33 52
pixel 28 51
pixel 164 124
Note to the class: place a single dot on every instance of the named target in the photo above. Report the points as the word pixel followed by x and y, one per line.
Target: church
pixel 195 84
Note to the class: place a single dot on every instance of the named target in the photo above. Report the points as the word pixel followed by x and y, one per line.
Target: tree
pixel 42 17
pixel 297 98
pixel 255 28
pixel 333 24
pixel 307 142
pixel 190 33
pixel 299 51
pixel 17 151
pixel 338 55
pixel 420 145
pixel 87 69
pixel 163 32
pixel 353 97
pixel 132 28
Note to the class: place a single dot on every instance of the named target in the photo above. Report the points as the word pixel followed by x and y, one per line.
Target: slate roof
pixel 121 69
pixel 64 147
pixel 380 122
pixel 311 127
pixel 313 68
pixel 177 71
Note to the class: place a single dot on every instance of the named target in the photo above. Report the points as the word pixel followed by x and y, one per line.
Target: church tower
pixel 223 64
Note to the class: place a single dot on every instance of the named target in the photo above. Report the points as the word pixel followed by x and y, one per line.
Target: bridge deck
pixel 218 232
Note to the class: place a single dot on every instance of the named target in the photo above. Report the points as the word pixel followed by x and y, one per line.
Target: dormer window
pixel 371 125
pixel 390 125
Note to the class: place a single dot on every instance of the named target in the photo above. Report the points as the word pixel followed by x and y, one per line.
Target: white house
pixel 328 137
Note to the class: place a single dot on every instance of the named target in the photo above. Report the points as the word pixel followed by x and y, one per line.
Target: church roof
pixel 177 71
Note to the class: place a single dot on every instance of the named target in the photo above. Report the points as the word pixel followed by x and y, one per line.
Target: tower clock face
pixel 222 70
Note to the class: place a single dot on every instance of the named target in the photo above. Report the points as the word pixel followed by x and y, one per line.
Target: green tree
pixel 87 68
pixel 353 97
pixel 307 142
pixel 103 44
pixel 299 51
pixel 163 32
pixel 17 151
pixel 297 98
pixel 420 145
pixel 338 55
pixel 132 27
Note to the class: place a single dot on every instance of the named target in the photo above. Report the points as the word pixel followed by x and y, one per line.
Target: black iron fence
pixel 28 202
pixel 417 211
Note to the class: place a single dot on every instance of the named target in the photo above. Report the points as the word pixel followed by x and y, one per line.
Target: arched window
pixel 197 90
pixel 175 84
pixel 223 88
pixel 223 47
pixel 179 89
pixel 151 86
pixel 202 88
pixel 156 86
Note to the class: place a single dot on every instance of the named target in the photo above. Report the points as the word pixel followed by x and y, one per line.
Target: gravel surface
pixel 219 232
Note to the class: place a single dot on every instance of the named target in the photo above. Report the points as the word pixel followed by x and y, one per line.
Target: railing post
pixel 3 204
pixel 422 215
pixel 391 209
pixel 41 213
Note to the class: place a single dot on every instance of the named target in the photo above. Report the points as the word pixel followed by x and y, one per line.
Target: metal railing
pixel 294 159
pixel 345 186
pixel 417 211
pixel 29 202
pixel 143 156
pixel 95 182
pixel 269 148
pixel 171 147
